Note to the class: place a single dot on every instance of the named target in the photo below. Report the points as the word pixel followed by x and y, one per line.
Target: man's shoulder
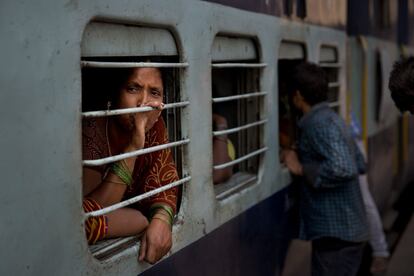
pixel 324 121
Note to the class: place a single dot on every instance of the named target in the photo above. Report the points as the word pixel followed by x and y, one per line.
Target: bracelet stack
pixel 121 170
pixel 166 216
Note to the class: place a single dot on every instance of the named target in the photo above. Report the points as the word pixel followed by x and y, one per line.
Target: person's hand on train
pixel 290 159
pixel 141 123
pixel 156 241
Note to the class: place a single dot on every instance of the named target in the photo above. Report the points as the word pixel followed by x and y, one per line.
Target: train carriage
pixel 217 58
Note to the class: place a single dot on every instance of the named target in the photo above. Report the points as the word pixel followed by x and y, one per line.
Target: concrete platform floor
pixel 401 262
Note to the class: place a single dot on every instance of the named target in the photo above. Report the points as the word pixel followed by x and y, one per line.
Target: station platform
pixel 401 263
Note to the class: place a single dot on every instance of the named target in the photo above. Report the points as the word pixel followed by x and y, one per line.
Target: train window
pixel 290 55
pixel 382 13
pixel 378 86
pixel 329 61
pixel 238 118
pixel 289 6
pixel 110 53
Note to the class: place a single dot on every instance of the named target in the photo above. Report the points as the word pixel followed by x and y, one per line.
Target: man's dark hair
pixel 401 84
pixel 311 81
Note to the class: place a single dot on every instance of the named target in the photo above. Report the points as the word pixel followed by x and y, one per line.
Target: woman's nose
pixel 144 97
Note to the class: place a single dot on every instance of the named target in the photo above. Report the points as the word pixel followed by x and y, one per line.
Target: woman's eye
pixel 156 93
pixel 132 89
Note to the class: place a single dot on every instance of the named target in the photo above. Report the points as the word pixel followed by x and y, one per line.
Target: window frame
pixel 240 180
pixel 109 249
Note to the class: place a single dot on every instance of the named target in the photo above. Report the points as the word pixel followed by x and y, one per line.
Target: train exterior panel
pixel 241 230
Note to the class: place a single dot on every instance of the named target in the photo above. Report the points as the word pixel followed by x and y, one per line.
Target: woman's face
pixel 143 86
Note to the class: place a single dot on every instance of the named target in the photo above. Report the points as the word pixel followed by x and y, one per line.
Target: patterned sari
pixel 152 171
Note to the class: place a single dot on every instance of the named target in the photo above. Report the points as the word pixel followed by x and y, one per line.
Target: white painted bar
pixel 103 113
pixel 107 160
pixel 236 187
pixel 236 129
pixel 334 104
pixel 112 245
pixel 238 65
pixel 241 159
pixel 237 97
pixel 108 64
pixel 330 65
pixel 333 84
pixel 136 198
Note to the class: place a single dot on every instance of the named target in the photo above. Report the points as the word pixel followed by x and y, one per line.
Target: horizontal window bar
pixel 241 159
pixel 334 104
pixel 235 188
pixel 102 113
pixel 331 65
pixel 136 198
pixel 106 246
pixel 237 97
pixel 108 64
pixel 238 65
pixel 110 159
pixel 334 84
pixel 236 129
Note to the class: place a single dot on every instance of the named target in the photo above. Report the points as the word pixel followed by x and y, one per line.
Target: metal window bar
pixel 238 65
pixel 235 188
pixel 334 84
pixel 241 159
pixel 334 104
pixel 237 129
pixel 102 113
pixel 107 160
pixel 110 245
pixel 237 97
pixel 136 198
pixel 330 65
pixel 108 64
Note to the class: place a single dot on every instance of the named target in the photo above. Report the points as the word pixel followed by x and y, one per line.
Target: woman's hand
pixel 142 122
pixel 156 241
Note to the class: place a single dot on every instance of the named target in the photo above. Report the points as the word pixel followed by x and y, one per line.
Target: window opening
pixel 238 118
pixel 106 59
pixel 378 86
pixel 328 60
pixel 290 55
pixel 382 13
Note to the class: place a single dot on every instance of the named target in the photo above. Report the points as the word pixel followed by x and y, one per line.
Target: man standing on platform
pixel 332 211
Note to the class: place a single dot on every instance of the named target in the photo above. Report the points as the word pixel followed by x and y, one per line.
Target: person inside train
pixel 107 136
pixel 223 150
pixel 401 84
pixel 332 213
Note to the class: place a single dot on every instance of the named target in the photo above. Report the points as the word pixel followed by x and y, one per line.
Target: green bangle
pixel 166 208
pixel 119 170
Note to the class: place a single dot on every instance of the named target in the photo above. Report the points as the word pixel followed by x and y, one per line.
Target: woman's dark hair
pixel 100 85
pixel 401 84
pixel 311 81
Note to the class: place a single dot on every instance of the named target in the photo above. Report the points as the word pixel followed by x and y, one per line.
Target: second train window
pixel 237 117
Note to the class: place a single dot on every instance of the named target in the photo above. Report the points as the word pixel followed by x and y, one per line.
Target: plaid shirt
pixel 330 202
